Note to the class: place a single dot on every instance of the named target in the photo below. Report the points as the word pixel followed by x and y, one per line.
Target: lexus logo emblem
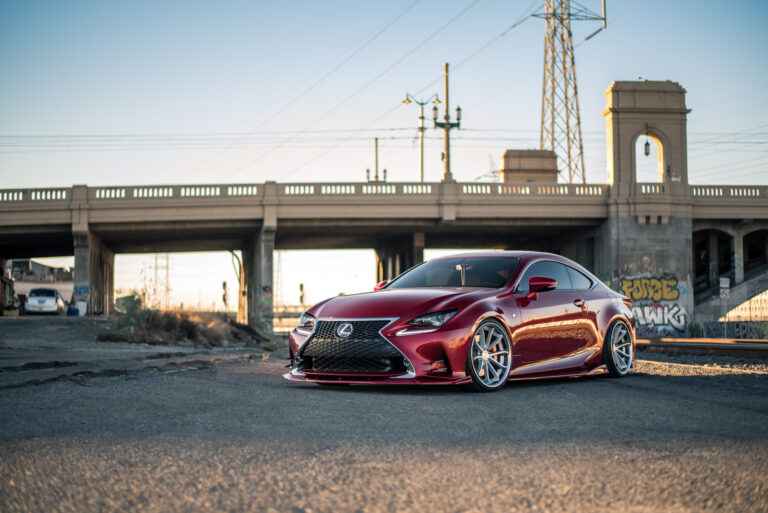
pixel 344 330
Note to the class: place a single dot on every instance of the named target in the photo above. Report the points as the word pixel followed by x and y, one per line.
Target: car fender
pixel 482 311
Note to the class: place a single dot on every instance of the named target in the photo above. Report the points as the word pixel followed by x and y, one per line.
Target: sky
pixel 180 92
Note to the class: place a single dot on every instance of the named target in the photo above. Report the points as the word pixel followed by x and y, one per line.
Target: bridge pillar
pixel 644 249
pixel 3 299
pixel 713 269
pixel 94 277
pixel 398 254
pixel 258 255
pixel 738 258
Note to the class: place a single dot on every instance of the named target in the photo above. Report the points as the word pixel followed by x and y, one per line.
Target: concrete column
pixel 258 267
pixel 3 298
pixel 418 249
pixel 738 259
pixel 713 268
pixel 94 279
pixel 765 249
pixel 398 254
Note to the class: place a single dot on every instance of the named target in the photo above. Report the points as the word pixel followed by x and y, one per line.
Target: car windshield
pixel 42 293
pixel 492 272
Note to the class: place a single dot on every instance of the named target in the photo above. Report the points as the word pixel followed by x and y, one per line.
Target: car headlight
pixel 435 319
pixel 306 323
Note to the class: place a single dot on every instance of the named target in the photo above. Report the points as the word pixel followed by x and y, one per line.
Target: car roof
pixel 527 255
pixel 524 256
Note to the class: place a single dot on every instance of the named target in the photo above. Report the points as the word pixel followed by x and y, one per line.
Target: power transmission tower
pixel 560 118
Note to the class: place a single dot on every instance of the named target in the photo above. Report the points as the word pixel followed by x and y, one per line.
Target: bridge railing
pixel 730 191
pixel 46 194
pixel 172 191
pixel 534 189
pixel 358 189
pixel 148 192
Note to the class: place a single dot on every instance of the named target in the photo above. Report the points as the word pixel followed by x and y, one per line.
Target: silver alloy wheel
pixel 490 354
pixel 621 348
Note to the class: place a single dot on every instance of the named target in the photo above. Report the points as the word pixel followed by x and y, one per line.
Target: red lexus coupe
pixel 475 318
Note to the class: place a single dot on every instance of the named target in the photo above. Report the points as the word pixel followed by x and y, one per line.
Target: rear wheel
pixel 618 350
pixel 489 356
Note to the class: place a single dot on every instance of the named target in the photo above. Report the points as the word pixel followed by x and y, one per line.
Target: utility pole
pixel 560 117
pixel 446 125
pixel 434 99
pixel 376 163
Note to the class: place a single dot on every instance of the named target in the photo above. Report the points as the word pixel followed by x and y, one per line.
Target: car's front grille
pixel 364 351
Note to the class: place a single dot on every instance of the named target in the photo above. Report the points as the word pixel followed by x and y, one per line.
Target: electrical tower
pixel 560 118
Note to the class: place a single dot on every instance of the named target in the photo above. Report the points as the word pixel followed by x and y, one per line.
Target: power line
pixel 357 92
pixel 317 82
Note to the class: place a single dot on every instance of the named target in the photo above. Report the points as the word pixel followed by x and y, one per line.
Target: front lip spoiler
pixel 376 379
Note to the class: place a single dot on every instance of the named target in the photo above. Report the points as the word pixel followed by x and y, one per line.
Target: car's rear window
pixel 492 272
pixel 42 293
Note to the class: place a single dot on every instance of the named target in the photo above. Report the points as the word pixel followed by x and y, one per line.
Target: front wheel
pixel 489 356
pixel 618 349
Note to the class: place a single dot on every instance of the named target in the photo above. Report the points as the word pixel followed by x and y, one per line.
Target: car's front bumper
pixel 435 357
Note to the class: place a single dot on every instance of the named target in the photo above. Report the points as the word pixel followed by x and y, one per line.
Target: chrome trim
pixel 414 331
pixel 408 375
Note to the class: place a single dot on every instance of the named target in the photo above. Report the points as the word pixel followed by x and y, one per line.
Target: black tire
pixel 618 349
pixel 494 357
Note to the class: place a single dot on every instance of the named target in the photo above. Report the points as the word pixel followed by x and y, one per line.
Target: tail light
pixel 627 301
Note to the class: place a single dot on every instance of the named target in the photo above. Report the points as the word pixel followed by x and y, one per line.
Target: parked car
pixel 478 318
pixel 45 300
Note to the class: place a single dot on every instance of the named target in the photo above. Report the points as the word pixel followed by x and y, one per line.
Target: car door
pixel 550 328
pixel 585 299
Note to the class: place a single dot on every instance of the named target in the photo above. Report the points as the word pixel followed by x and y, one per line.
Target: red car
pixel 476 318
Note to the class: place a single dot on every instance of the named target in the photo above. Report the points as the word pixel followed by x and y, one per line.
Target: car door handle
pixel 579 302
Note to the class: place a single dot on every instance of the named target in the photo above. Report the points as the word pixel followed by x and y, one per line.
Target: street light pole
pixel 446 125
pixel 422 128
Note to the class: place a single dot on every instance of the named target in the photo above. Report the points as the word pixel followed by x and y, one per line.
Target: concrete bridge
pixel 662 243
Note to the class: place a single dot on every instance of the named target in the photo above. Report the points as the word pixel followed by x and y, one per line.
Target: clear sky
pixel 167 92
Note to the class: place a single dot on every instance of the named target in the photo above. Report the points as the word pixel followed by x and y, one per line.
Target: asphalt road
pixel 236 437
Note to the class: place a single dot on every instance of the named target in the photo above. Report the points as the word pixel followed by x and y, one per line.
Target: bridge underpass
pixel 644 239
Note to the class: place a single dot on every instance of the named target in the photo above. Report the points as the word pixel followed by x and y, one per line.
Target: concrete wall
pixel 652 264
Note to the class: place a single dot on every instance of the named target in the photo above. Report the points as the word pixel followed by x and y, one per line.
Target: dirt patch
pixel 185 328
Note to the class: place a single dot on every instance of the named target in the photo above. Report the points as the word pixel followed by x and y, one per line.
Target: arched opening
pixel 649 161
pixel 712 250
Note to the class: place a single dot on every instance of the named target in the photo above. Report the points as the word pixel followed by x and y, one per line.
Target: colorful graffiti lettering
pixel 657 315
pixel 654 289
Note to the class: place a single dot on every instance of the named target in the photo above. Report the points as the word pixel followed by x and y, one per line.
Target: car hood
pixel 398 302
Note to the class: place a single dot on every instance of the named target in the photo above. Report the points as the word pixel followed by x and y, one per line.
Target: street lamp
pixel 434 99
pixel 446 125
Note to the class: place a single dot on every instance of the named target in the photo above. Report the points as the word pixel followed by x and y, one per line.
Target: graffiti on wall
pixel 740 329
pixel 657 304
pixel 654 289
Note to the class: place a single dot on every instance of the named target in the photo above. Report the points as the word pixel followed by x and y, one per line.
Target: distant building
pixel 24 269
pixel 537 166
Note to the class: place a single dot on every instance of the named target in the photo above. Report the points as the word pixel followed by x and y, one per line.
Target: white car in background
pixel 45 301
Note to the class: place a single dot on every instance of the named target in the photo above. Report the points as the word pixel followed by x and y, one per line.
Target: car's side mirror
pixel 540 284
pixel 380 286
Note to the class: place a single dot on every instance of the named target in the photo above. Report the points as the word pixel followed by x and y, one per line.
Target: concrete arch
pixel 634 109
pixel 714 227
pixel 662 143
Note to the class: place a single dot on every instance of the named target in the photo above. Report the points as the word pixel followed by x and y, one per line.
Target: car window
pixel 492 272
pixel 548 269
pixel 578 279
pixel 42 293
